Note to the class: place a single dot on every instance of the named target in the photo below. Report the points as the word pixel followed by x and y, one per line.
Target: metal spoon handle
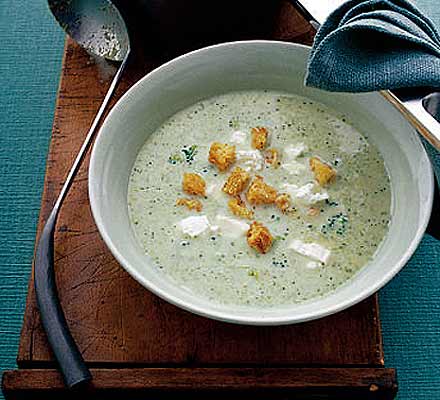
pixel 66 352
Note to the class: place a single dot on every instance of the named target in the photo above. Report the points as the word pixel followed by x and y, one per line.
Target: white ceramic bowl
pixel 254 65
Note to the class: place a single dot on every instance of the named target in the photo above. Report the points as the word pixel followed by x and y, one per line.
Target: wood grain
pixel 114 320
pixel 333 383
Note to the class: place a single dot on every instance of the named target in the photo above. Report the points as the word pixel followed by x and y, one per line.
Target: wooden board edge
pixel 26 335
pixel 343 383
pixel 380 356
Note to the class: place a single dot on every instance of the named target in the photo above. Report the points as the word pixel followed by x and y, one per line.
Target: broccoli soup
pixel 259 198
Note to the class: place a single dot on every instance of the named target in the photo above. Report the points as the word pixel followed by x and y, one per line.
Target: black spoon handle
pixel 70 360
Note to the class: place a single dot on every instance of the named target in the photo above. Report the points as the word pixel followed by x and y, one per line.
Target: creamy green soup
pixel 329 234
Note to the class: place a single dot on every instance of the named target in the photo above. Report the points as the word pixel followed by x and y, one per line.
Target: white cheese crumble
pixel 194 225
pixel 292 152
pixel 250 159
pixel 215 190
pixel 312 265
pixel 305 195
pixel 238 137
pixel 312 250
pixel 231 227
pixel 294 167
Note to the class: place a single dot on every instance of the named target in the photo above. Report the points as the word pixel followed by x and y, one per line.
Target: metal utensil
pixel 420 108
pixel 98 27
pixel 431 103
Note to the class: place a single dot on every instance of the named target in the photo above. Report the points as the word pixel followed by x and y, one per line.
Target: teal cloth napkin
pixel 369 45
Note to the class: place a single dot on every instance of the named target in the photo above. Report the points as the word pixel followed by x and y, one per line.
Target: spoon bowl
pixel 95 25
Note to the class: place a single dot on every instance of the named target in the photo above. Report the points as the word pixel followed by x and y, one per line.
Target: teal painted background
pixel 30 60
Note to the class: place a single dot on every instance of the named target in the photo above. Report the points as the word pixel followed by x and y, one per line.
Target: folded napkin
pixel 369 45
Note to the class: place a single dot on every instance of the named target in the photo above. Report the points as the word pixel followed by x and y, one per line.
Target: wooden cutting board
pixel 137 343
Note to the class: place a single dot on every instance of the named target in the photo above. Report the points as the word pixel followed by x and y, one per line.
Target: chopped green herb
pixel 175 158
pixel 280 263
pixel 337 223
pixel 253 273
pixel 234 122
pixel 279 238
pixel 331 203
pixel 189 153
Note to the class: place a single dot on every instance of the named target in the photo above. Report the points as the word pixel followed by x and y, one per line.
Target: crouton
pixel 259 137
pixel 313 211
pixel 222 155
pixel 259 238
pixel 283 202
pixel 194 184
pixel 236 182
pixel 238 208
pixel 273 157
pixel 260 192
pixel 324 173
pixel 191 204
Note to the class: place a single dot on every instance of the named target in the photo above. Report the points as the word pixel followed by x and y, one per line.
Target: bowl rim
pixel 224 315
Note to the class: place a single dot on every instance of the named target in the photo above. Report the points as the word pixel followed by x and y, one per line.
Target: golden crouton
pixel 273 157
pixel 238 208
pixel 191 204
pixel 324 173
pixel 259 238
pixel 283 202
pixel 222 155
pixel 194 184
pixel 236 182
pixel 259 137
pixel 260 192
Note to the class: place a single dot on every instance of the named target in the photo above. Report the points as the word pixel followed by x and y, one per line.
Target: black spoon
pixel 98 27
